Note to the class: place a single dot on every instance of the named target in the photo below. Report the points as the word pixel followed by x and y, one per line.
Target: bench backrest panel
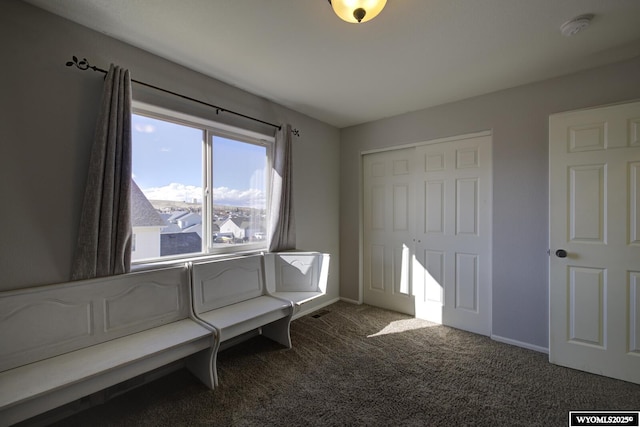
pixel 228 281
pixel 45 321
pixel 297 271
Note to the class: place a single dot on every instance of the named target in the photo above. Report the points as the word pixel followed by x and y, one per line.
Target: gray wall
pixel 48 114
pixel 518 118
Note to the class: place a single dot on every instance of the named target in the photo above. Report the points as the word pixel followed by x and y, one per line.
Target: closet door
pixel 388 215
pixel 427 231
pixel 452 264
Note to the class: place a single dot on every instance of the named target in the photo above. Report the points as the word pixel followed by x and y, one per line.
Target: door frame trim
pixel 431 141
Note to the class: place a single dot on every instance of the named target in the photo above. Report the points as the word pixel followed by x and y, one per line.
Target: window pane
pixel 167 188
pixel 239 192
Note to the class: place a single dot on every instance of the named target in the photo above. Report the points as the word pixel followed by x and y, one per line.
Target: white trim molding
pixel 351 301
pixel 520 344
pixel 315 308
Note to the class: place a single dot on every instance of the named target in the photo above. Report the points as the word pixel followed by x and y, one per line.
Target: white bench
pixel 299 277
pixel 61 342
pixel 230 296
pixel 234 297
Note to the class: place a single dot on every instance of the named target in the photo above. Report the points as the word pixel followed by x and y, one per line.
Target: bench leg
pixel 278 331
pixel 214 366
pixel 200 365
pixel 214 357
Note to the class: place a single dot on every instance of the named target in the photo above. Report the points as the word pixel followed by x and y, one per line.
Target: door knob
pixel 561 253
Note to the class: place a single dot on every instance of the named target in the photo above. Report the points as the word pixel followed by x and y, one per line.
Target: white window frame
pixel 211 129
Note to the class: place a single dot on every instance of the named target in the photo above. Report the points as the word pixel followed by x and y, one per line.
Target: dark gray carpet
pixel 360 365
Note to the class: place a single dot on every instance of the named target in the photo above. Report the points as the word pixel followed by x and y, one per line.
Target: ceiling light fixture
pixel 355 11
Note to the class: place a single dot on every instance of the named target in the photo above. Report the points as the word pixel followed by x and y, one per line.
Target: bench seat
pixel 299 277
pixel 59 343
pixel 55 381
pixel 239 318
pixel 230 296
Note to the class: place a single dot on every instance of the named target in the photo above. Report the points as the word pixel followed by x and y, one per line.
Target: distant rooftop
pixel 180 243
pixel 143 214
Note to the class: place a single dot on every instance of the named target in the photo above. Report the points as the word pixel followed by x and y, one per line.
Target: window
pixel 198 187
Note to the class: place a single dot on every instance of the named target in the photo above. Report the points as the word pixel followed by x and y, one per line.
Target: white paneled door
pixel 594 283
pixel 427 231
pixel 452 264
pixel 389 210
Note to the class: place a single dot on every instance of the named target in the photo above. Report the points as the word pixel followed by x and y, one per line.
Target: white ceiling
pixel 415 54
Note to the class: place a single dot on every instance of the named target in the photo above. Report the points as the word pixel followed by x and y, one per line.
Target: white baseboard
pixel 520 344
pixel 350 301
pixel 315 308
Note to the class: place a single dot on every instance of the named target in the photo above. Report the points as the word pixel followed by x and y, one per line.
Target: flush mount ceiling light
pixel 355 11
pixel 575 25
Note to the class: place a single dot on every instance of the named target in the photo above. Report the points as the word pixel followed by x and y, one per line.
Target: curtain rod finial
pixel 80 64
pixel 83 64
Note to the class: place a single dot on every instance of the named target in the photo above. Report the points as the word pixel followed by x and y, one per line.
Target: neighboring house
pixel 242 228
pixel 235 226
pixel 174 216
pixel 166 216
pixel 196 228
pixel 171 228
pixel 182 221
pixel 147 225
pixel 188 220
pixel 215 228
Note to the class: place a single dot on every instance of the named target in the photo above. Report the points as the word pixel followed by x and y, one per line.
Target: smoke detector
pixel 575 25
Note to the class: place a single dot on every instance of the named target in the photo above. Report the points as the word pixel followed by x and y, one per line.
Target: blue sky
pixel 167 164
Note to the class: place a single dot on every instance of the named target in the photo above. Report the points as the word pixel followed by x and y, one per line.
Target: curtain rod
pixel 84 65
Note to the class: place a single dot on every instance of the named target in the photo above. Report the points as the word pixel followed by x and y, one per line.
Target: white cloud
pixel 244 198
pixel 175 192
pixel 222 195
pixel 144 128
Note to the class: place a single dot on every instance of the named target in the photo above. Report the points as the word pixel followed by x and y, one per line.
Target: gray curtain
pixel 282 232
pixel 104 236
